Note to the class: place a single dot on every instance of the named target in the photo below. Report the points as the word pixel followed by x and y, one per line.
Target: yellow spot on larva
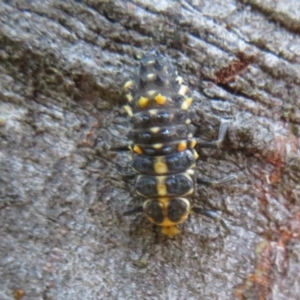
pixel 128 85
pixel 129 97
pixel 160 99
pixel 167 222
pixel 152 112
pixel 151 77
pixel 186 103
pixel 190 172
pixel 160 166
pixel 164 202
pixel 196 155
pixel 154 129
pixel 161 186
pixel 143 102
pixel 182 146
pixel 179 79
pixel 151 93
pixel 183 90
pixel 137 149
pixel 193 143
pixel 128 110
pixel 188 121
pixel 151 62
pixel 157 146
pixel 170 231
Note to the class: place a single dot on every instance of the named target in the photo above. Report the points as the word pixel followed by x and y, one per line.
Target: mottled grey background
pixel 62 67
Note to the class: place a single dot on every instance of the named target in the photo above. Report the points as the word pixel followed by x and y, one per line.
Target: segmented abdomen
pixel 161 141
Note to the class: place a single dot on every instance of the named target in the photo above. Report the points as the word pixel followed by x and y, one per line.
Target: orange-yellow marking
pixel 129 97
pixel 157 146
pixel 160 166
pixel 170 231
pixel 151 76
pixel 151 93
pixel 161 186
pixel 167 222
pixel 137 149
pixel 190 172
pixel 183 90
pixel 164 202
pixel 128 85
pixel 179 79
pixel 193 143
pixel 151 62
pixel 154 129
pixel 182 146
pixel 128 110
pixel 160 99
pixel 152 112
pixel 186 103
pixel 143 102
pixel 196 155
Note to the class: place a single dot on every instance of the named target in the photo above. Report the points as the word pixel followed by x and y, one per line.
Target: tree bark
pixel 62 68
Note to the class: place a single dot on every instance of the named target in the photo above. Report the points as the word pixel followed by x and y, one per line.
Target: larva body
pixel 162 142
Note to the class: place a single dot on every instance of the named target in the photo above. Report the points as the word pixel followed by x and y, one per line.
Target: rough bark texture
pixel 62 67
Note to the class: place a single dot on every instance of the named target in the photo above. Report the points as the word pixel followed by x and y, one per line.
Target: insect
pixel 163 144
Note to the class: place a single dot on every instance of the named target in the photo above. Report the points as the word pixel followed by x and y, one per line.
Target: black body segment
pixel 181 184
pixel 162 165
pixel 156 117
pixel 161 134
pixel 176 209
pixel 167 212
pixel 164 148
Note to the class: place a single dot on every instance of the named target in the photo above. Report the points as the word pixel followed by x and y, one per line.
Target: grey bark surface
pixel 62 68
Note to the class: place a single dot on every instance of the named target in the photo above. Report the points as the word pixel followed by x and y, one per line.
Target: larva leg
pixel 217 143
pixel 213 214
pixel 133 211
